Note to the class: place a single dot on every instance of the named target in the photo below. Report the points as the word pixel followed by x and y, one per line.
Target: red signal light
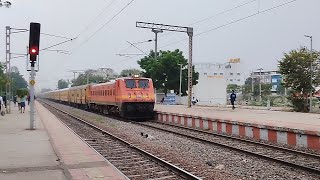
pixel 33 51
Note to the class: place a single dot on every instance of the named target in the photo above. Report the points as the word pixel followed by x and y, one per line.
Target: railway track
pixel 292 158
pixel 289 157
pixel 133 161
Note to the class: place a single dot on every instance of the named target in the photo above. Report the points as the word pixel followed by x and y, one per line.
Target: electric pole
pixel 260 95
pixel 156 31
pixel 189 31
pixel 8 68
pixel 311 61
pixel 252 87
pixel 180 83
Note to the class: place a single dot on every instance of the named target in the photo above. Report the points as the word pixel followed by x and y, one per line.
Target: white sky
pixel 259 41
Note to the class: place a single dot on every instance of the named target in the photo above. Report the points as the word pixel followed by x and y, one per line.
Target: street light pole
pixel 260 96
pixel 311 59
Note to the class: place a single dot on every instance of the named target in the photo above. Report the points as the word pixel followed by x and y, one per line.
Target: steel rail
pixel 166 164
pixel 278 160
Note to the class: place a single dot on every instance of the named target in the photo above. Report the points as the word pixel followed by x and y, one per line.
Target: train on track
pixel 128 97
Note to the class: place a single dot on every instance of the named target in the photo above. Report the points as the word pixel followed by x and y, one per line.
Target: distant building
pixel 213 81
pixel 269 77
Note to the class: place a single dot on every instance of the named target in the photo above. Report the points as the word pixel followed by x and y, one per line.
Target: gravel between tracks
pixel 212 162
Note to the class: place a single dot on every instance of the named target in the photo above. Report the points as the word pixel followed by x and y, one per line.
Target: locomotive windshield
pixel 143 83
pixel 130 83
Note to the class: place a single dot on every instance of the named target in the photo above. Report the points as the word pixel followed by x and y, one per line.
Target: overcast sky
pixel 259 41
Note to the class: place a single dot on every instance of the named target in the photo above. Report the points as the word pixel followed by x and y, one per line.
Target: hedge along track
pixel 289 157
pixel 134 162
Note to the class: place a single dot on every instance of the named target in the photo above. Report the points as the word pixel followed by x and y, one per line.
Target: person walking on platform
pixel 23 104
pixel 2 108
pixel 19 102
pixel 15 100
pixel 4 98
pixel 28 99
pixel 233 97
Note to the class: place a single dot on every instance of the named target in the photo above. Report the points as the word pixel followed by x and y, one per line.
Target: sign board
pixel 170 99
pixel 32 82
pixel 236 60
pixel 216 76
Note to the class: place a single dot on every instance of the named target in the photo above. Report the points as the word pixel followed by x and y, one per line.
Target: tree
pixel 3 79
pixel 247 89
pixel 92 77
pixel 295 67
pixel 234 87
pixel 128 72
pixel 22 92
pixel 62 84
pixel 17 81
pixel 165 70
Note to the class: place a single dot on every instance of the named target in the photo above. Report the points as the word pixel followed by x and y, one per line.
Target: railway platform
pixel 51 152
pixel 289 128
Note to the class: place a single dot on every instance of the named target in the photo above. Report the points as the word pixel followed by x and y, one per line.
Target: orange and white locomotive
pixel 130 97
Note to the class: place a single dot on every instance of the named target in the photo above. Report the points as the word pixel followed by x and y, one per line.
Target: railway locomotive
pixel 129 97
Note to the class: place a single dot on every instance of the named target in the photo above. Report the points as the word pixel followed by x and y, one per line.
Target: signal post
pixel 34 39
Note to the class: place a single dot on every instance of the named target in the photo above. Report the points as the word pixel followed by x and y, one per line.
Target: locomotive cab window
pixel 144 83
pixel 130 83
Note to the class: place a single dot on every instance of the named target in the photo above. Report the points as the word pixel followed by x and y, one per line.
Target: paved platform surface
pixel 292 120
pixel 51 152
pixel 25 154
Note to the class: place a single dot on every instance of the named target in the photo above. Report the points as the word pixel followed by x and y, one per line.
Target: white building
pixel 213 80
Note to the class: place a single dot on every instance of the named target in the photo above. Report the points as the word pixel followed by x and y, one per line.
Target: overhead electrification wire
pixel 232 22
pixel 103 11
pixel 106 23
pixel 208 18
pixel 52 35
pixel 57 44
pixel 223 12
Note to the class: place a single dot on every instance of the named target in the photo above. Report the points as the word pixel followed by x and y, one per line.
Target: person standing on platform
pixel 19 102
pixel 15 100
pixel 4 98
pixel 1 105
pixel 23 104
pixel 233 97
pixel 28 99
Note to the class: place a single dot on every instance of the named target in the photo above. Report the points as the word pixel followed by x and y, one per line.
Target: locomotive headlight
pixel 129 95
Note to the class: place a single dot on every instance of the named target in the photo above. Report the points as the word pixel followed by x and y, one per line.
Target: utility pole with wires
pixel 8 68
pixel 75 72
pixel 189 30
pixel 260 95
pixel 156 31
pixel 10 31
pixel 311 84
